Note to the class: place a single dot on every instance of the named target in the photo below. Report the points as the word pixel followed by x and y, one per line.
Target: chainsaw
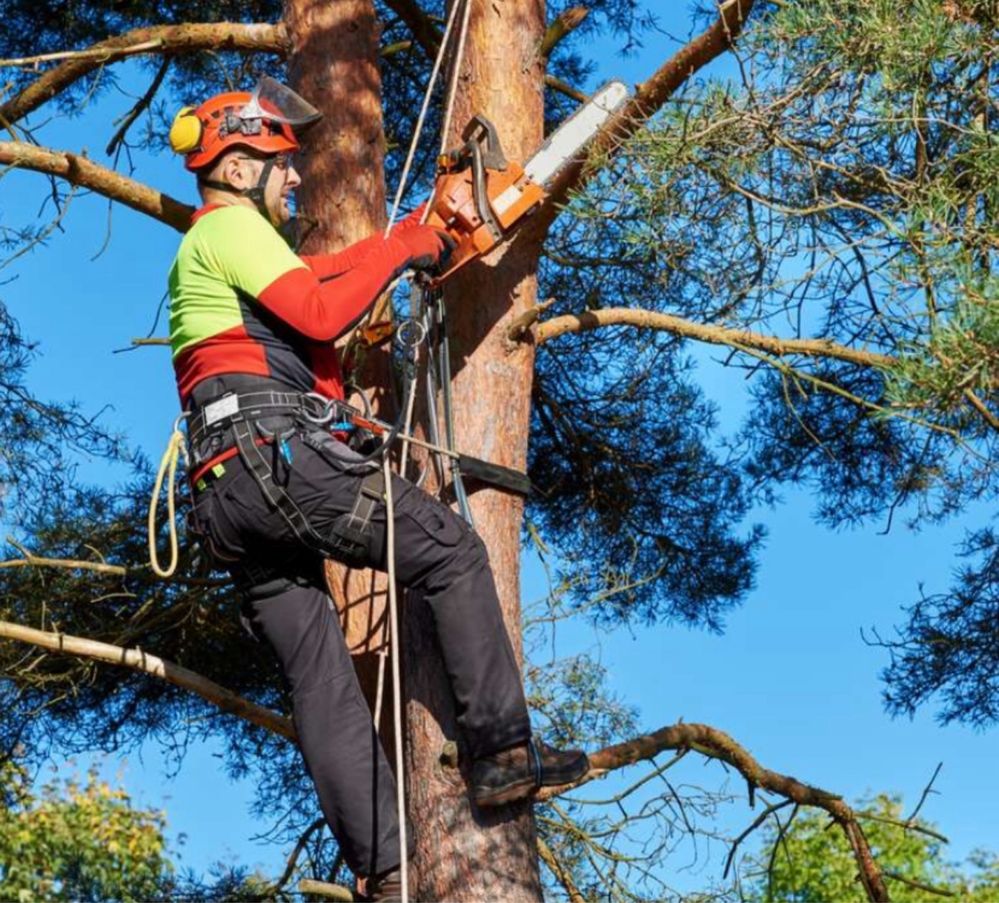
pixel 480 196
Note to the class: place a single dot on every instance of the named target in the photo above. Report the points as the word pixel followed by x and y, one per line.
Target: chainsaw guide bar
pixel 480 196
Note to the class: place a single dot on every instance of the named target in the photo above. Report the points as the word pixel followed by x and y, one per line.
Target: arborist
pixel 252 330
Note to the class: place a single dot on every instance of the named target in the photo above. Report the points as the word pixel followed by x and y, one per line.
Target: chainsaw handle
pixel 481 133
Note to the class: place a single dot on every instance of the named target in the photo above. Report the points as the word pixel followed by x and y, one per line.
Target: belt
pixel 211 428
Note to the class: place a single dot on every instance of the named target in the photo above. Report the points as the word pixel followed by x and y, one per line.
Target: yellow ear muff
pixel 185 133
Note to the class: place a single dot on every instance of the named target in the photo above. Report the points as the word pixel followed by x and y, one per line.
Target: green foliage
pixel 78 841
pixel 811 861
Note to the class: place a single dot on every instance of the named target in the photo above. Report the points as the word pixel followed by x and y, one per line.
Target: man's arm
pixel 256 260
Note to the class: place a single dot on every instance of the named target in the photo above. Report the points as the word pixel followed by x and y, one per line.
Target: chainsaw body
pixel 479 195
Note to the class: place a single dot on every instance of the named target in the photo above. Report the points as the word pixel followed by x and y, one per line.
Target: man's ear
pixel 232 173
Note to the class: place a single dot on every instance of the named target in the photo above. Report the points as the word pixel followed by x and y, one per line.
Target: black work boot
pixel 512 774
pixel 386 887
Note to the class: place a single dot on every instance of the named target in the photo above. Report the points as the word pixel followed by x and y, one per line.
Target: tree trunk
pixel 466 854
pixel 334 63
pixel 461 854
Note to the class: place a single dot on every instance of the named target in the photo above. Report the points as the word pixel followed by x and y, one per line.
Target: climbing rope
pixel 176 447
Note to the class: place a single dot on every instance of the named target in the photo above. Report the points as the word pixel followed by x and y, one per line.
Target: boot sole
pixel 509 793
pixel 517 790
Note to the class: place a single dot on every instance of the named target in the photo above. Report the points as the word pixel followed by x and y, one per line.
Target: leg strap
pixel 350 539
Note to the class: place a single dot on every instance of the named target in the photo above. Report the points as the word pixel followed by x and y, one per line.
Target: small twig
pixel 763 816
pixel 927 790
pixel 918 885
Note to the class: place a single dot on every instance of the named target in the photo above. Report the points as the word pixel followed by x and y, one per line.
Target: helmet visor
pixel 278 103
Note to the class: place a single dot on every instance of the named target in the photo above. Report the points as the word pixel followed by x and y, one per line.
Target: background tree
pixel 824 215
pixel 806 861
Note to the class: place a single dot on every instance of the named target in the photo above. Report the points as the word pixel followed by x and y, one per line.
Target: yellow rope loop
pixel 168 469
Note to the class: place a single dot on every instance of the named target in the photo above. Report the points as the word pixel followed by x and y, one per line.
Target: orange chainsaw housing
pixel 479 195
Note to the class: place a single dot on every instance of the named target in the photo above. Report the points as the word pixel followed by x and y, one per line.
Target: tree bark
pixel 464 853
pixel 334 63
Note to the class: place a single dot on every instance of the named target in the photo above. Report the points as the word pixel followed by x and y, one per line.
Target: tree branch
pixel 166 39
pixel 137 660
pixel 78 170
pixel 647 100
pixel 424 31
pixel 716 744
pixel 561 875
pixel 564 25
pixel 716 335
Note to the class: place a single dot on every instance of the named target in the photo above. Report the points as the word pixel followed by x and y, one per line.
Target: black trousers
pixel 437 556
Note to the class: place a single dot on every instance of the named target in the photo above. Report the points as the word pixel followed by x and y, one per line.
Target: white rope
pixel 394 639
pixel 455 72
pixel 176 448
pixel 414 143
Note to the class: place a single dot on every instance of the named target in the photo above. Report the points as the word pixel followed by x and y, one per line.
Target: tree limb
pixel 79 170
pixel 716 744
pixel 137 660
pixel 647 100
pixel 165 39
pixel 716 335
pixel 564 25
pixel 424 31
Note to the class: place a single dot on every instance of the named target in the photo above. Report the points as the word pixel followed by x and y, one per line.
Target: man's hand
pixel 429 248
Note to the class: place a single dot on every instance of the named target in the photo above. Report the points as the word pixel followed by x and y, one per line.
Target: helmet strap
pixel 255 194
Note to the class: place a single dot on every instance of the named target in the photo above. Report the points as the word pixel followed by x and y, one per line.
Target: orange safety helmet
pixel 265 121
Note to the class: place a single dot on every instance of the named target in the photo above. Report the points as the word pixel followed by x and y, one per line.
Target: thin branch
pixel 78 170
pixel 136 111
pixel 137 660
pixel 289 868
pixel 561 875
pixel 556 84
pixel 927 790
pixel 919 885
pixel 717 335
pixel 762 817
pixel 904 825
pixel 166 39
pixel 94 53
pixel 979 406
pixel 32 560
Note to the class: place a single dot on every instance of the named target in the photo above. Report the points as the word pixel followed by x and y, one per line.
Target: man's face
pixel 242 172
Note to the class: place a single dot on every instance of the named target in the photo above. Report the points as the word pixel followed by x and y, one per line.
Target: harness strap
pixel 258 465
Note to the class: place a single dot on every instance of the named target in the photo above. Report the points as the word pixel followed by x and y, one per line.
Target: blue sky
pixel 791 678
